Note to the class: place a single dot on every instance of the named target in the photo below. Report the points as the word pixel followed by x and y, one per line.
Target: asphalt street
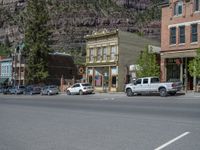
pixel 99 122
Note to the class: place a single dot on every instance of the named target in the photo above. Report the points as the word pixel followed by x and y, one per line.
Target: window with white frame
pixel 91 55
pixel 99 54
pixel 113 52
pixel 104 58
pixel 182 34
pixel 197 5
pixel 194 33
pixel 178 8
pixel 173 35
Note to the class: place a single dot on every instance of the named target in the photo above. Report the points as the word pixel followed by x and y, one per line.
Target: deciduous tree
pixel 148 65
pixel 194 65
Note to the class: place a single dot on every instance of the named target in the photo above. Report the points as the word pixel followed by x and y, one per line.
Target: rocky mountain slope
pixel 73 19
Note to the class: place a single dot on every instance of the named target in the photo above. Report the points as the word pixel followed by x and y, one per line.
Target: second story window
pixel 182 34
pixel 173 35
pixel 104 54
pixel 113 53
pixel 197 5
pixel 178 8
pixel 91 55
pixel 99 54
pixel 194 33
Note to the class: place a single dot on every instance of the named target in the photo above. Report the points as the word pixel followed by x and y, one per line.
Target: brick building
pixel 180 37
pixel 59 65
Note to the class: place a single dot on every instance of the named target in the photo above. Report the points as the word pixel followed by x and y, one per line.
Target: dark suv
pixel 6 89
pixel 31 89
pixel 18 89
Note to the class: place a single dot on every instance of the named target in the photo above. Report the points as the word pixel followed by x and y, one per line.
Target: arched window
pixel 178 8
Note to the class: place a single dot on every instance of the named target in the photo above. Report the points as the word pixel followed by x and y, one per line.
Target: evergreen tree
pixel 37 34
pixel 194 65
pixel 147 64
pixel 5 49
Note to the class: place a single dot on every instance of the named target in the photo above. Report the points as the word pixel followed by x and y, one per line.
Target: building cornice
pixel 100 34
pixel 184 24
pixel 178 50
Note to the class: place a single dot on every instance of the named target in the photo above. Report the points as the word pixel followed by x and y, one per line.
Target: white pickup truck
pixel 152 85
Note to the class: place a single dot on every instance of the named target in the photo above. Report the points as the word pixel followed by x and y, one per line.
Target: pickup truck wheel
pixel 172 93
pixel 163 92
pixel 129 92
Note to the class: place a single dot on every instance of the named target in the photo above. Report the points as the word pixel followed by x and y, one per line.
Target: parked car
pixel 80 88
pixel 7 89
pixel 31 89
pixel 49 90
pixel 1 89
pixel 17 89
pixel 152 85
pixel 11 90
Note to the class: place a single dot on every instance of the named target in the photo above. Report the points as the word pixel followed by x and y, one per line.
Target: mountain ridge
pixel 73 19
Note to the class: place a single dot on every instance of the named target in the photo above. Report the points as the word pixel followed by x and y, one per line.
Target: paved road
pixel 99 122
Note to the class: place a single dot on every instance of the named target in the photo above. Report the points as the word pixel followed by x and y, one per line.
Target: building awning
pixel 178 54
pixel 3 80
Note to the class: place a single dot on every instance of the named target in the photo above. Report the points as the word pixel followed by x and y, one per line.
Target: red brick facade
pixel 178 52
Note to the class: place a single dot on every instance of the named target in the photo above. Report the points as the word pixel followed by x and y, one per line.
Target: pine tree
pixel 148 65
pixel 37 34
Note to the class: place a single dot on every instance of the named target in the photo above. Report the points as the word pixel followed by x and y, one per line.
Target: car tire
pixel 68 92
pixel 172 93
pixel 80 92
pixel 163 92
pixel 129 92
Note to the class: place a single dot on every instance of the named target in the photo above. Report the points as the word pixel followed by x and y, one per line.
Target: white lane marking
pixel 102 99
pixel 171 141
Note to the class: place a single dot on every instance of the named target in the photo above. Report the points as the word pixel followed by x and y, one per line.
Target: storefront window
pixel 90 79
pixel 114 81
pixel 173 70
pixel 98 81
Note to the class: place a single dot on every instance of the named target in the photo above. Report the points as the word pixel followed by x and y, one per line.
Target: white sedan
pixel 80 88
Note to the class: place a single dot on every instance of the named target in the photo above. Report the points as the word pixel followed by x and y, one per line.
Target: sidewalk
pixel 181 93
pixel 192 94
